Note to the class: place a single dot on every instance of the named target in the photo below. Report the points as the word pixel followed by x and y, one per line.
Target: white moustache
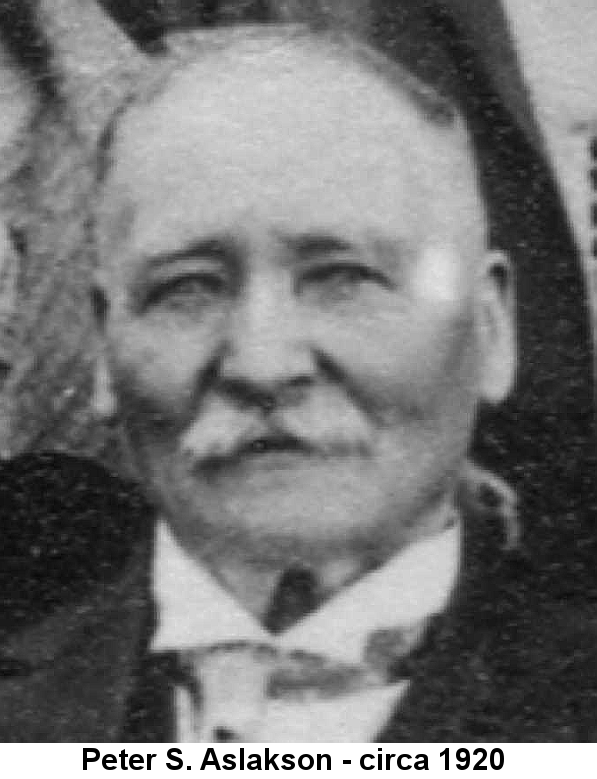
pixel 326 424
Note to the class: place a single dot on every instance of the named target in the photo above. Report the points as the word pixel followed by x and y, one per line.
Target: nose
pixel 267 351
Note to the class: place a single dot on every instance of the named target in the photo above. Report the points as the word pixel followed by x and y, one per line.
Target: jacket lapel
pixel 149 713
pixel 456 691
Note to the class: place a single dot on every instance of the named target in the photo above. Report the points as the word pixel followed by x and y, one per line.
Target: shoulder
pixel 506 675
pixel 67 524
pixel 515 657
pixel 531 657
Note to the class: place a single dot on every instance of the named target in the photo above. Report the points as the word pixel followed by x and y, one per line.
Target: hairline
pixel 182 50
pixel 185 50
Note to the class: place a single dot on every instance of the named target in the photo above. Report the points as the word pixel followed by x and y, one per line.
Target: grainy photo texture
pixel 296 372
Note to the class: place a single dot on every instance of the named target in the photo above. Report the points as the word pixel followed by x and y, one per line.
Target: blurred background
pixel 557 46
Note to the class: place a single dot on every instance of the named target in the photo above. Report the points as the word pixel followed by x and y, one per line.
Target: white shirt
pixel 194 609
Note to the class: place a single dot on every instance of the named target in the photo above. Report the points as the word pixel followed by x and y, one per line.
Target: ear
pixel 103 398
pixel 496 327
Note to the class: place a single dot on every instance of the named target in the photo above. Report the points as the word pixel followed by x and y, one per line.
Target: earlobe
pixel 496 328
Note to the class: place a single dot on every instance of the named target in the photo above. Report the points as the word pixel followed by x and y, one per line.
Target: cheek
pixel 158 366
pixel 407 364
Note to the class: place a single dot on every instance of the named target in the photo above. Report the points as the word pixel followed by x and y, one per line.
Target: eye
pixel 188 293
pixel 342 280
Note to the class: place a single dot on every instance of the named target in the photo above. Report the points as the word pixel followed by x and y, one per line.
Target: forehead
pixel 292 131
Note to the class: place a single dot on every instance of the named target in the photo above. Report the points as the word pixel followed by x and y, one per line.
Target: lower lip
pixel 262 462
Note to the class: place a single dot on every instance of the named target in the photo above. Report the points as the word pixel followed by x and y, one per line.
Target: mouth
pixel 271 451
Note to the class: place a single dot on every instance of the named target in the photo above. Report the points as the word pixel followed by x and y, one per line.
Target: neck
pixel 253 581
pixel 254 587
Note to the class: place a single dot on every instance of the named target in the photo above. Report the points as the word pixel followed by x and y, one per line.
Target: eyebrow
pixel 154 266
pixel 385 249
pixel 305 246
pixel 227 248
pixel 217 246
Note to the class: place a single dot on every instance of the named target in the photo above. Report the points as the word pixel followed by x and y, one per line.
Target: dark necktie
pixel 295 596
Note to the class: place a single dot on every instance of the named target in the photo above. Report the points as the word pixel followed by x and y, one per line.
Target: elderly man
pixel 300 315
pixel 299 323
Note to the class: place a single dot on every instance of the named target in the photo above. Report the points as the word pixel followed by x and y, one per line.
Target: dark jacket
pixel 512 660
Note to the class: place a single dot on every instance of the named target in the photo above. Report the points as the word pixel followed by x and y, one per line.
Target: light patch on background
pixel 556 45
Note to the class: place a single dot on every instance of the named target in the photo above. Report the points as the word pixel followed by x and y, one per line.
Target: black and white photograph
pixel 298 307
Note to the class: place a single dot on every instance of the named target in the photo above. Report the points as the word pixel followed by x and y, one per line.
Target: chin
pixel 312 523
pixel 314 511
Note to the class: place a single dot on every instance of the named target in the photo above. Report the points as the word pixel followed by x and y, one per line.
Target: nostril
pixel 223 734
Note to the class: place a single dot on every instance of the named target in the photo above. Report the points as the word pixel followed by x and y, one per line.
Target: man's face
pixel 293 328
